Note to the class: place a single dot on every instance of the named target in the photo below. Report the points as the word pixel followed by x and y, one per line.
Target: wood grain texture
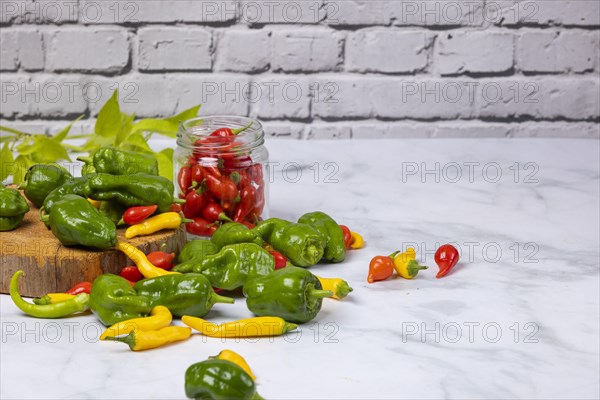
pixel 52 267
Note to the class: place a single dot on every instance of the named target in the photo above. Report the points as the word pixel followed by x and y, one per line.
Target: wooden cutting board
pixel 51 267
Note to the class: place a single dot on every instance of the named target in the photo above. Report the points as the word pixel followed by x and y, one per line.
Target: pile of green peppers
pixel 219 379
pixel 13 208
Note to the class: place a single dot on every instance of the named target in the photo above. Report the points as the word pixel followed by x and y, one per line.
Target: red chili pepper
pixel 81 287
pixel 131 273
pixel 211 170
pixel 280 259
pixel 197 175
pixel 214 212
pixel 236 163
pixel 222 188
pixel 347 236
pixel 381 268
pixel 175 208
pixel 135 215
pixel 446 258
pixel 195 201
pixel 246 204
pixel 161 259
pixel 256 174
pixel 228 132
pixel 201 227
pixel 184 178
pixel 259 203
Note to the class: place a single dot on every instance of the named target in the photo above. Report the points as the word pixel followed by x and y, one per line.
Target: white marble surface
pixel 539 306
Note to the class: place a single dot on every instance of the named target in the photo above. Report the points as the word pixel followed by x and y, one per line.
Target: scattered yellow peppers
pixel 144 340
pixel 357 241
pixel 249 327
pixel 229 355
pixel 139 258
pixel 338 286
pixel 160 317
pixel 406 265
pixel 168 220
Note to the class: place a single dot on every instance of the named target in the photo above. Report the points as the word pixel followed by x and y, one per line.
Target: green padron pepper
pixel 182 294
pixel 232 266
pixel 232 233
pixel 41 179
pixel 291 293
pixel 199 248
pixel 302 244
pixel 219 380
pixel 13 208
pixel 113 300
pixel 74 221
pixel 119 162
pixel 132 190
pixel 112 210
pixel 335 249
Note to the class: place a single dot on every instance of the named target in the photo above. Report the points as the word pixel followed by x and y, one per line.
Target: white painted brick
pixel 469 129
pixel 283 130
pixel 40 95
pixel 243 50
pixel 86 49
pixel 340 97
pixel 275 97
pixel 329 131
pixel 474 52
pixel 306 50
pixel 258 12
pixel 357 12
pixel 38 11
pixel 542 98
pixel 174 48
pixel 21 48
pixel 436 12
pixel 388 51
pixel 144 11
pixel 391 130
pixel 583 130
pixel 542 12
pixel 557 51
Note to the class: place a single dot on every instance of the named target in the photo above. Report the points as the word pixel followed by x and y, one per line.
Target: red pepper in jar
pixel 197 175
pixel 131 273
pixel 228 132
pixel 81 287
pixel 256 174
pixel 201 227
pixel 246 204
pixel 381 268
pixel 214 212
pixel 347 236
pixel 184 178
pixel 222 188
pixel 259 204
pixel 446 257
pixel 195 201
pixel 135 215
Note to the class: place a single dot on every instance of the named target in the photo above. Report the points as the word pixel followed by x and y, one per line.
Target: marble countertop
pixel 517 318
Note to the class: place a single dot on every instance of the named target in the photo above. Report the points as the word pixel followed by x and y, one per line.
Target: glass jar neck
pixel 221 134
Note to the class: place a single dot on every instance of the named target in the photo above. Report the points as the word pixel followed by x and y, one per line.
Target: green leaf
pixel 63 134
pixel 125 128
pixel 136 141
pixel 21 165
pixel 7 166
pixel 50 151
pixel 167 126
pixel 12 130
pixel 165 163
pixel 109 119
pixel 28 146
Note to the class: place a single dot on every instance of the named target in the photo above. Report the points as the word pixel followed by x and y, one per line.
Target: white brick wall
pixel 310 69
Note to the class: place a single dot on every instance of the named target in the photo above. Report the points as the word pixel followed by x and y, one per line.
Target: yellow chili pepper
pixel 230 355
pixel 168 220
pixel 95 203
pixel 338 286
pixel 53 298
pixel 139 258
pixel 405 264
pixel 357 241
pixel 160 317
pixel 249 327
pixel 144 340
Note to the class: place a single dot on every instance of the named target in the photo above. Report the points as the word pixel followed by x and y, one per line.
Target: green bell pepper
pixel 182 294
pixel 119 162
pixel 112 210
pixel 132 190
pixel 233 266
pixel 335 248
pixel 232 233
pixel 13 208
pixel 302 244
pixel 113 300
pixel 74 186
pixel 41 179
pixel 196 249
pixel 291 293
pixel 74 221
pixel 219 380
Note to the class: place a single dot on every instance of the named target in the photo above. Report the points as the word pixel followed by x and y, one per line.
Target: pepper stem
pixel 224 217
pixel 178 201
pixel 312 251
pixel 215 298
pixel 343 289
pixel 186 220
pixel 413 267
pixel 242 129
pixel 129 339
pixel 289 327
pixel 44 218
pixel 84 159
pixel 320 293
pixel 394 254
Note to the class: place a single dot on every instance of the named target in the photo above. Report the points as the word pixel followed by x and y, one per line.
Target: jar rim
pixel 194 129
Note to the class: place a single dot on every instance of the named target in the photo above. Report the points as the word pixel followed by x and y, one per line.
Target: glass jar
pixel 220 168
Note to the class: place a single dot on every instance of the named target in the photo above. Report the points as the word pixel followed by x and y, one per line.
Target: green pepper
pixel 291 293
pixel 112 210
pixel 119 162
pixel 132 190
pixel 335 247
pixel 113 300
pixel 74 221
pixel 182 294
pixel 13 208
pixel 41 179
pixel 219 380
pixel 196 249
pixel 302 244
pixel 232 233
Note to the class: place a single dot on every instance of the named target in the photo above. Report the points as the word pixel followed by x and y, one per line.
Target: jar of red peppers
pixel 220 170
